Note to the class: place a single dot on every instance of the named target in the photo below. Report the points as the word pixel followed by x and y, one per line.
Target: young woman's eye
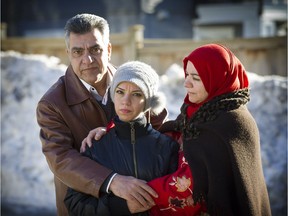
pixel 118 91
pixel 138 94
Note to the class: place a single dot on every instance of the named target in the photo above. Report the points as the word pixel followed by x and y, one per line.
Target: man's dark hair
pixel 84 23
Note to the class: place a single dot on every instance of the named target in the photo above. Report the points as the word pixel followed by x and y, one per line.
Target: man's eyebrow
pixel 76 48
pixel 80 48
pixel 95 46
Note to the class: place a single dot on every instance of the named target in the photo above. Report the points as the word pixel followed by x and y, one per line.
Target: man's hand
pixel 136 207
pixel 135 191
pixel 96 134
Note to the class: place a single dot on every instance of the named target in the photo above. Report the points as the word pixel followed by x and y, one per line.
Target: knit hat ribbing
pixel 146 78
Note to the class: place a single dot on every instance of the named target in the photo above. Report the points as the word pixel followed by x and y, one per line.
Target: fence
pixel 264 56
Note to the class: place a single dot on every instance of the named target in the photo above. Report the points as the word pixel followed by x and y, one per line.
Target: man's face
pixel 89 56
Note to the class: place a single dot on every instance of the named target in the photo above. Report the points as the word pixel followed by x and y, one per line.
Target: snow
pixel 26 181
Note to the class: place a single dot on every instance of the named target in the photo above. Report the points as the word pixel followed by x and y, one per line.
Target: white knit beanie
pixel 146 78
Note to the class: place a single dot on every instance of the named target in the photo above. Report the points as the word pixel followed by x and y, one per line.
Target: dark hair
pixel 84 23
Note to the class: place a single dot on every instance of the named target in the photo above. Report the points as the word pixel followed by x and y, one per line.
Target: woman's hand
pixel 96 134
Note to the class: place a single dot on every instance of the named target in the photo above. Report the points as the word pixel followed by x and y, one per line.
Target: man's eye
pixel 77 53
pixel 95 51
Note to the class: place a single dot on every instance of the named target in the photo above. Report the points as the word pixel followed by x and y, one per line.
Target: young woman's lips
pixel 125 111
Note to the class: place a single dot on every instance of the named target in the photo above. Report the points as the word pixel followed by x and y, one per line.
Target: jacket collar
pixel 123 129
pixel 75 90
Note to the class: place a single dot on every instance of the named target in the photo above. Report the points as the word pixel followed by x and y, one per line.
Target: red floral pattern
pixel 175 193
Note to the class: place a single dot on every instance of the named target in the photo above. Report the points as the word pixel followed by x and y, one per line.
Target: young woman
pixel 131 147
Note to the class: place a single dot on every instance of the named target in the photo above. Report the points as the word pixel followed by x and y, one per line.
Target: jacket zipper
pixel 133 141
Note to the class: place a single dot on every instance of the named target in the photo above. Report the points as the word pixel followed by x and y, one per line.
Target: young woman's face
pixel 129 101
pixel 194 86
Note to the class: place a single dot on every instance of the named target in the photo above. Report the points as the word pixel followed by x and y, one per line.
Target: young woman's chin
pixel 128 118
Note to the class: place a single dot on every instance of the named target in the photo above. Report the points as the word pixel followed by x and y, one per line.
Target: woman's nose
pixel 187 83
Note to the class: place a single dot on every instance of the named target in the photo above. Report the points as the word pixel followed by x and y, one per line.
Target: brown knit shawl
pixel 240 189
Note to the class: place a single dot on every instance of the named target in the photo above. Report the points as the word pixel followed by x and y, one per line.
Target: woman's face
pixel 193 84
pixel 129 101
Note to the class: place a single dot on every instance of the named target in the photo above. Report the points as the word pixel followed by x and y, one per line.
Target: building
pixel 247 19
pixel 196 19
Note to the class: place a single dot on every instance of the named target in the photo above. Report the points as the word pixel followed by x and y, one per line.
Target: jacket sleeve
pixel 58 146
pixel 118 206
pixel 80 204
pixel 174 157
pixel 86 205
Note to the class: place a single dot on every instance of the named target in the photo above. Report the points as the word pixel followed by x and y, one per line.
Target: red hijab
pixel 220 71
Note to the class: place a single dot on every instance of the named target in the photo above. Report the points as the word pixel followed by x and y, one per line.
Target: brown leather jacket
pixel 66 114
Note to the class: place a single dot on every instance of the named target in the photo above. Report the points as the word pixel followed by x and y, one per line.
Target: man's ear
pixel 109 48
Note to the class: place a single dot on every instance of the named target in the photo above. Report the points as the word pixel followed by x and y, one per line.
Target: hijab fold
pixel 220 71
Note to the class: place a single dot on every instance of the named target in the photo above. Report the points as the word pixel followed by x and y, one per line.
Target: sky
pixel 26 181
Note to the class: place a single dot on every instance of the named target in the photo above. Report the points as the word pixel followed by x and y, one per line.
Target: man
pixel 77 103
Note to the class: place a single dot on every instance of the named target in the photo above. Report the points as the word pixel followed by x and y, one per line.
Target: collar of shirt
pixel 94 92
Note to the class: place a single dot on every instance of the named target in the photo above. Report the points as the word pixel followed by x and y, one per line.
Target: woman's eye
pixel 189 75
pixel 196 77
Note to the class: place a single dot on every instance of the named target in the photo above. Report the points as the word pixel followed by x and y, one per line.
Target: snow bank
pixel 25 176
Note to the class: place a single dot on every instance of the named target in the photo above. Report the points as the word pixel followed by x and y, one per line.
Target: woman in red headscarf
pixel 220 137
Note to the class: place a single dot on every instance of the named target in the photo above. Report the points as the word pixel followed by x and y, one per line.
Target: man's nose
pixel 87 57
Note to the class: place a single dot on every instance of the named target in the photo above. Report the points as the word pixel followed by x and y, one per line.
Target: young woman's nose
pixel 126 99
